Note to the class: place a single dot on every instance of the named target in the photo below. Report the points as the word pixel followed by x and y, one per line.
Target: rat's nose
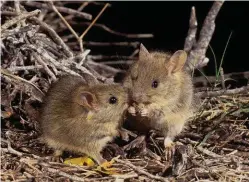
pixel 139 98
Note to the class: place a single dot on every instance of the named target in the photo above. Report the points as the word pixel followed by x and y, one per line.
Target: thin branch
pixel 104 67
pixel 61 173
pixel 207 152
pixel 19 31
pixel 61 9
pixel 98 3
pixel 82 6
pixel 63 19
pixel 104 27
pixel 229 76
pixel 83 56
pixel 10 149
pixel 64 67
pixel 244 89
pixel 39 60
pixel 17 19
pixel 101 57
pixel 135 52
pixel 91 43
pixel 8 13
pixel 90 26
pixel 71 29
pixel 93 22
pixel 46 56
pixel 141 171
pixel 117 62
pixel 54 36
pixel 30 87
pixel 51 170
pixel 96 74
pixel 21 68
pixel 18 10
pixel 122 177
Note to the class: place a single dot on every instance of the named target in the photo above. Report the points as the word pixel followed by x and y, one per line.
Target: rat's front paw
pixel 132 110
pixel 144 112
pixel 169 148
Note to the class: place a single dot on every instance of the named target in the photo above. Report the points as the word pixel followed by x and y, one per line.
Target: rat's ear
pixel 87 99
pixel 176 61
pixel 143 52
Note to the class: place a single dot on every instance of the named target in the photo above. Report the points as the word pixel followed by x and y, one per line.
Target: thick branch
pixel 197 58
pixel 191 38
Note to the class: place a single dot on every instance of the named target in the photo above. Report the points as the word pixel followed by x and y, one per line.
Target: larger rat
pixel 80 117
pixel 161 92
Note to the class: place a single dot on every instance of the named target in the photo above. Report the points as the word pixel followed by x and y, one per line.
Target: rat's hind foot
pixel 56 157
pixel 169 148
pixel 80 161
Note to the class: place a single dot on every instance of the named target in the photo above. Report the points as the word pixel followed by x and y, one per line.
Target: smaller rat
pixel 82 117
pixel 162 94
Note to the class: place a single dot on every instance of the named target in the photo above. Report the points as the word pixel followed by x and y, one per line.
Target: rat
pixel 161 94
pixel 81 117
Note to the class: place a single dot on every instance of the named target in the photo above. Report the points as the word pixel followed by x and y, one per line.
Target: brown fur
pixel 171 103
pixel 69 125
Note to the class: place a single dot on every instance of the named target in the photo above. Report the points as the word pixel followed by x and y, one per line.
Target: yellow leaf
pixel 80 161
pixel 106 167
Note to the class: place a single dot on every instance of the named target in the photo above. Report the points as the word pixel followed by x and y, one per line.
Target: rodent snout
pixel 140 98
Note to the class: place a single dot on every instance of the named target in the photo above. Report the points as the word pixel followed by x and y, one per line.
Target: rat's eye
pixel 113 100
pixel 154 84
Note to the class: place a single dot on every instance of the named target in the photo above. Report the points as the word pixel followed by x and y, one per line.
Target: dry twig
pixel 54 36
pixel 141 171
pixel 10 149
pixel 90 26
pixel 28 87
pixel 104 27
pixel 39 60
pixel 19 18
pixel 244 89
pixel 61 9
pixel 228 76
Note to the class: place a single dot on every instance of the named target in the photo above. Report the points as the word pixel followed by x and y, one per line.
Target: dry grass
pixel 215 148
